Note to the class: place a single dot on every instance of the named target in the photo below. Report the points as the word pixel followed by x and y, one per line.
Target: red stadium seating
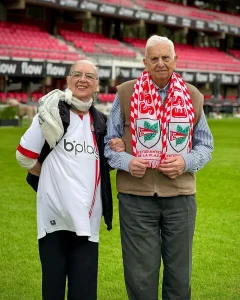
pixel 35 96
pixel 190 12
pixel 176 10
pixel 3 97
pixel 235 53
pixel 96 43
pixel 192 58
pixel 106 97
pixel 20 40
pixel 23 41
pixel 124 3
pixel 20 96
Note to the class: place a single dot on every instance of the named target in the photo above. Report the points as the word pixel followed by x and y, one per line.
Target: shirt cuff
pixel 189 162
pixel 126 158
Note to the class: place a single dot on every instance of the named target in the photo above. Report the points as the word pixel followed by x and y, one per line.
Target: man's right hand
pixel 138 166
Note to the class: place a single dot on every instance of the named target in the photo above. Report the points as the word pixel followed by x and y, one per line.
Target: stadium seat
pixel 3 97
pixel 36 96
pixel 96 43
pixel 22 40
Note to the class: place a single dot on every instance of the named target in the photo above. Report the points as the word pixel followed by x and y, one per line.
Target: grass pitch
pixel 216 259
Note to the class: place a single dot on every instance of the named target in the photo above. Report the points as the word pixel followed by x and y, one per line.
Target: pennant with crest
pixel 148 132
pixel 178 135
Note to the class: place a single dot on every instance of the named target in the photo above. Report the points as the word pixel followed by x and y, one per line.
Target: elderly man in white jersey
pixel 161 120
pixel 63 153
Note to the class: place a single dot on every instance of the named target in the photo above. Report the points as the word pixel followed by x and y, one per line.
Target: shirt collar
pixel 164 89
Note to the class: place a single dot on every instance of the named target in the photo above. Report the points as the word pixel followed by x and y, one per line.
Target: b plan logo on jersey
pixel 80 148
pixel 148 132
pixel 178 135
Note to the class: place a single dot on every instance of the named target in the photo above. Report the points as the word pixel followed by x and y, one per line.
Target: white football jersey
pixel 68 196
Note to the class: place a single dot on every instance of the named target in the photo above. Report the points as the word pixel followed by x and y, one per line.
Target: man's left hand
pixel 117 144
pixel 172 166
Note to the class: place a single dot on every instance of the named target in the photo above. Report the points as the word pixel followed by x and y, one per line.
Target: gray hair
pixel 83 61
pixel 156 39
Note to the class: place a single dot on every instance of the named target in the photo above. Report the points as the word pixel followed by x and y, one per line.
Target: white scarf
pixel 48 113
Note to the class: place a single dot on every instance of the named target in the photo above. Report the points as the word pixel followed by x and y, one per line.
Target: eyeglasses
pixel 78 75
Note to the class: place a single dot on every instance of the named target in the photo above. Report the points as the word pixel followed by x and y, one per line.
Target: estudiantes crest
pixel 178 135
pixel 148 132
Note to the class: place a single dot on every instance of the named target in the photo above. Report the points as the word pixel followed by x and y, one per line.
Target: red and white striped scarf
pixel 146 106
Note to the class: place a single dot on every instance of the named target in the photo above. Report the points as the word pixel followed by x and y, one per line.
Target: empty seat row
pixel 106 97
pixel 96 43
pixel 124 3
pixel 45 55
pixel 176 9
pixel 15 35
pixel 192 58
pixel 191 12
pixel 21 97
pixel 35 96
pixel 235 53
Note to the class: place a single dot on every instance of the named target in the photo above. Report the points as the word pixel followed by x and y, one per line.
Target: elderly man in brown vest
pixel 167 140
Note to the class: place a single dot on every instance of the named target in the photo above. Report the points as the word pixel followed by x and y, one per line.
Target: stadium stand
pixel 124 3
pixel 190 12
pixel 176 9
pixel 19 96
pixel 106 97
pixel 22 40
pixel 116 44
pixel 192 58
pixel 96 43
pixel 235 53
pixel 35 96
pixel 3 97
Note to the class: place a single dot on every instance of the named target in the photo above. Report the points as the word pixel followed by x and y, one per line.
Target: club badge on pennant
pixel 148 132
pixel 178 135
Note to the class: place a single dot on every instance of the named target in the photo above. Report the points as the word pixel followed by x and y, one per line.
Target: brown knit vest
pixel 153 181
